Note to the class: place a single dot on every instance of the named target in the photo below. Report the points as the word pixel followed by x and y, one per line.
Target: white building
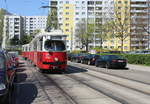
pixel 13 26
pixel 33 23
pixel 17 26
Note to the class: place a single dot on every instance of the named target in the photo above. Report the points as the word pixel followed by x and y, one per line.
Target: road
pixel 83 84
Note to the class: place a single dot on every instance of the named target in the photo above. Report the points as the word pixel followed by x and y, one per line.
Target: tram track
pixel 107 93
pixel 81 78
pixel 69 99
pixel 101 91
pixel 117 83
pixel 100 71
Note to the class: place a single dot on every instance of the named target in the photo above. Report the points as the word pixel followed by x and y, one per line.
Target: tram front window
pixel 52 45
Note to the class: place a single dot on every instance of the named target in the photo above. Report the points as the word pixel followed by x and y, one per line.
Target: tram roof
pixel 52 33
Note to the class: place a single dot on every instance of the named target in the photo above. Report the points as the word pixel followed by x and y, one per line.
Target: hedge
pixel 143 59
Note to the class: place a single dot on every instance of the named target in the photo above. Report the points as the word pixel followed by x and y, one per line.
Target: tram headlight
pixel 56 59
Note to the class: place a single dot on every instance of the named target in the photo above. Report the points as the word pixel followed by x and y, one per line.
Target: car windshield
pixel 116 57
pixel 51 45
pixel 2 62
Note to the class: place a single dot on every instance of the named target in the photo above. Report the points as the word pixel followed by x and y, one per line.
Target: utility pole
pixel 71 48
pixel 94 25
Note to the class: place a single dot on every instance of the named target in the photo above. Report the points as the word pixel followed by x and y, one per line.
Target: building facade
pixel 17 26
pixel 32 23
pixel 139 24
pixel 72 12
pixel 13 26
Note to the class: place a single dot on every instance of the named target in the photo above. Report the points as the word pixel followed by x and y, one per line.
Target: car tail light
pixel 16 59
pixel 114 60
pixel 93 59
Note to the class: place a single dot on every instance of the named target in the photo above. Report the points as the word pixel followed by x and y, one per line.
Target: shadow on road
pixel 27 93
pixel 73 69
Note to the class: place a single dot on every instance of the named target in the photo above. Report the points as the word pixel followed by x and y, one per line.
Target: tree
pixel 85 34
pixel 26 39
pixel 104 32
pixel 120 25
pixel 35 32
pixel 52 20
pixel 14 41
pixel 2 13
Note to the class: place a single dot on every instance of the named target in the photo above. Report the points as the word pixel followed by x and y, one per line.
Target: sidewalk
pixel 139 67
pixel 28 88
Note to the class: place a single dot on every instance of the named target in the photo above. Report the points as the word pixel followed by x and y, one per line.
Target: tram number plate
pixel 55 67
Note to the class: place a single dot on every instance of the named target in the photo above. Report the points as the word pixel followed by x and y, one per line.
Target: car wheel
pixel 96 65
pixel 89 63
pixel 108 66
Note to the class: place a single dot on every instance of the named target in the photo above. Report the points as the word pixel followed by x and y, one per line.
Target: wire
pixel 6 4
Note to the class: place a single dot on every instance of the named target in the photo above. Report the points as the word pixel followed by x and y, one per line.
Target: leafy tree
pixel 14 41
pixel 35 33
pixel 52 20
pixel 104 32
pixel 26 39
pixel 2 13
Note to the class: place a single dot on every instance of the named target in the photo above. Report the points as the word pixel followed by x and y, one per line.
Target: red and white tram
pixel 47 51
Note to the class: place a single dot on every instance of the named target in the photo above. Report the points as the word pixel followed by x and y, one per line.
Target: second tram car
pixel 48 51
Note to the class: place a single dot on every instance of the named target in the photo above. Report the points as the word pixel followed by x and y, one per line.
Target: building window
pixel 83 13
pixel 77 13
pixel 67 24
pixel 90 2
pixel 67 18
pixel 67 30
pixel 77 18
pixel 67 13
pixel 67 2
pixel 67 7
pixel 61 2
pixel 77 2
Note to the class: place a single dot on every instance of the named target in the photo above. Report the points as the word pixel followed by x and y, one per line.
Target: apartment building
pixel 72 12
pixel 139 24
pixel 32 23
pixel 17 26
pixel 13 26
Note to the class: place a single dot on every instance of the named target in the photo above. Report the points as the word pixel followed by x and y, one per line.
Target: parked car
pixel 90 59
pixel 111 61
pixel 77 57
pixel 14 57
pixel 7 74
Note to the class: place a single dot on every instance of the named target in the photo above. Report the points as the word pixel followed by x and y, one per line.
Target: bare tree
pixel 84 34
pixel 120 25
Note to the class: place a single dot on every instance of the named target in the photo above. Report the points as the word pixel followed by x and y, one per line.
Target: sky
pixel 25 7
